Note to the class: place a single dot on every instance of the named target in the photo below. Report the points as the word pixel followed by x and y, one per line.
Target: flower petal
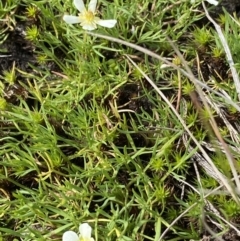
pixel 107 23
pixel 89 27
pixel 92 6
pixel 79 4
pixel 85 230
pixel 70 236
pixel 214 2
pixel 71 19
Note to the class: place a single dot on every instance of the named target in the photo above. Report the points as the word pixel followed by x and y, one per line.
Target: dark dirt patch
pixel 18 51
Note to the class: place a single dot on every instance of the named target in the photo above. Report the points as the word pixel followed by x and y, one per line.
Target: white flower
pixel 87 18
pixel 85 234
pixel 214 2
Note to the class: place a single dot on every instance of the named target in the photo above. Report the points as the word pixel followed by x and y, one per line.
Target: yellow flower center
pixel 87 17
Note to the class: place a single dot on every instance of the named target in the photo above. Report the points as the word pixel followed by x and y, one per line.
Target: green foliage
pixel 202 36
pixel 9 76
pixel 188 88
pixel 3 104
pixel 93 141
pixel 229 207
pixel 217 52
pixel 32 33
pixel 31 12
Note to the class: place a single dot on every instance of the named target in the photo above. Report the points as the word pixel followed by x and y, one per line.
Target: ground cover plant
pixel 130 131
